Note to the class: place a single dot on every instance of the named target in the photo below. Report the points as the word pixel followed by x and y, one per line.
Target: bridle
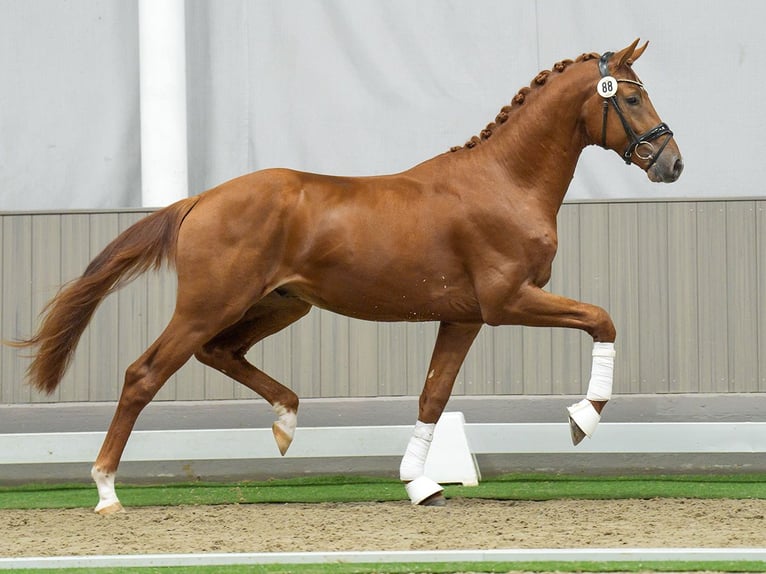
pixel 634 141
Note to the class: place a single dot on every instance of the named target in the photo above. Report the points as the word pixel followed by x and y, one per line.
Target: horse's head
pixel 619 116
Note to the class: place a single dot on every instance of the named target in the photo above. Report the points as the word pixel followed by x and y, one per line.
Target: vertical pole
pixel 162 56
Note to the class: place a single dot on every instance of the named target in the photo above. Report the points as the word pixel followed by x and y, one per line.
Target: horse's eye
pixel 632 100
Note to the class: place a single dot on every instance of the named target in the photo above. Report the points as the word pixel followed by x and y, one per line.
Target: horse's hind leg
pixel 226 353
pixel 452 344
pixel 143 379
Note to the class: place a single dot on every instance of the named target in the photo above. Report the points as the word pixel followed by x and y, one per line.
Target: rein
pixel 609 92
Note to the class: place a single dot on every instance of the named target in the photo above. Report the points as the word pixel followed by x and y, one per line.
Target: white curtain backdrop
pixel 362 87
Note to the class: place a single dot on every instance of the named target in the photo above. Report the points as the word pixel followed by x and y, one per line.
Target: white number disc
pixel 606 87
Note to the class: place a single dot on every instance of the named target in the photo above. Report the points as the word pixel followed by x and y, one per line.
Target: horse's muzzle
pixel 666 169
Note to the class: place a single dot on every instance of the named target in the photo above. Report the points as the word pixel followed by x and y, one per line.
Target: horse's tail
pixel 143 246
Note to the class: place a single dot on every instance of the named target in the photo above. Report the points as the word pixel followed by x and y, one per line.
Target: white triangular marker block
pixel 450 460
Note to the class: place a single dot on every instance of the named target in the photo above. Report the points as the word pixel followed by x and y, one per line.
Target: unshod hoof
pixel 283 439
pixel 113 508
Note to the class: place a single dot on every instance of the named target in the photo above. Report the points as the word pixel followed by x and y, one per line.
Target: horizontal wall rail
pixel 366 441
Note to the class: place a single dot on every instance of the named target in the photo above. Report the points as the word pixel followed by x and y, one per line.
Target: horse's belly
pixel 390 301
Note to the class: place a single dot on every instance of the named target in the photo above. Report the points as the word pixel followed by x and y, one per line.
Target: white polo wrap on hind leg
pixel 599 388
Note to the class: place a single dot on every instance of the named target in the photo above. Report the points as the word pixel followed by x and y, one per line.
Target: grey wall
pixel 69 104
pixel 684 282
pixel 361 87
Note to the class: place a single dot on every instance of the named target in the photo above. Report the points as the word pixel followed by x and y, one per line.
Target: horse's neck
pixel 539 149
pixel 534 154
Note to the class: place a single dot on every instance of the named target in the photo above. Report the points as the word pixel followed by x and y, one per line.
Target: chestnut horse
pixel 465 238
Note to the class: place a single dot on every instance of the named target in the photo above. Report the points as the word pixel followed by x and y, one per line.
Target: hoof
pixel 435 500
pixel 577 433
pixel 113 508
pixel 283 439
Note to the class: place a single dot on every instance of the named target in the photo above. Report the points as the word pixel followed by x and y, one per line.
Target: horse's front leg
pixel 537 308
pixel 585 415
pixel 452 344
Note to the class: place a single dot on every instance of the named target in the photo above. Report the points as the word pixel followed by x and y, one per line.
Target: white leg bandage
pixel 602 372
pixel 412 470
pixel 414 461
pixel 599 389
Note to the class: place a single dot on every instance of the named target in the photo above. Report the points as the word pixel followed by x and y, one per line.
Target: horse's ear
pixel 637 53
pixel 626 54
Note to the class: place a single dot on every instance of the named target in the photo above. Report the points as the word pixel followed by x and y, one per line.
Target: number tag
pixel 607 87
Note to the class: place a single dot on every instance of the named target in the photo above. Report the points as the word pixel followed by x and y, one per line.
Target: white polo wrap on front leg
pixel 602 372
pixel 414 460
pixel 584 413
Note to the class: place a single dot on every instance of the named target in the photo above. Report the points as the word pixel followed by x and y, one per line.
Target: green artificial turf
pixel 369 489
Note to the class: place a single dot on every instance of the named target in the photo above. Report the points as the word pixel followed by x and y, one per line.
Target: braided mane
pixel 519 98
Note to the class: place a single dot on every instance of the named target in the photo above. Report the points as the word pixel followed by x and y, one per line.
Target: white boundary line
pixel 375 557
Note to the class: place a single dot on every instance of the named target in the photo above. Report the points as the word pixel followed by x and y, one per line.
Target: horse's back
pixel 269 219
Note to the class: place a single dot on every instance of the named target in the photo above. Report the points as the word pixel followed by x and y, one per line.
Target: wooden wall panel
pixel 685 283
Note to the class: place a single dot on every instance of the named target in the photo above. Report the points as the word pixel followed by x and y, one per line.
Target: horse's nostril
pixel 678 167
